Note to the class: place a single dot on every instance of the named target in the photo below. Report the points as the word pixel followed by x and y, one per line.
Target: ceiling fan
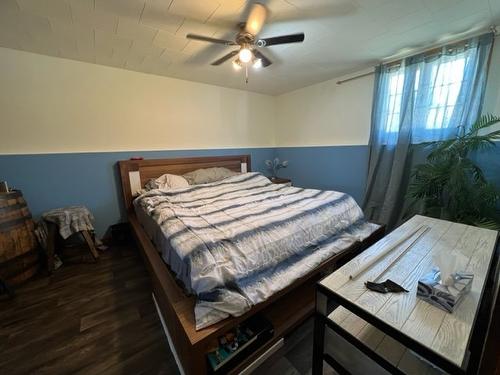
pixel 246 39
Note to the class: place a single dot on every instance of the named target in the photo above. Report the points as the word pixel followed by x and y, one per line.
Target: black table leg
pixel 319 333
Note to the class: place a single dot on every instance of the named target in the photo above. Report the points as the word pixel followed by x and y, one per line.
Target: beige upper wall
pixel 50 104
pixel 326 114
pixel 56 105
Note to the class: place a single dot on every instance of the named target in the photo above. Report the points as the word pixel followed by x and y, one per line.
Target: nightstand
pixel 278 180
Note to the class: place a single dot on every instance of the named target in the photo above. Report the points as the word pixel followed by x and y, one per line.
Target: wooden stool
pixel 64 222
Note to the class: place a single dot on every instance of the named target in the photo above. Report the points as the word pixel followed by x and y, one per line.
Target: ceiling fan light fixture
pixel 237 64
pixel 257 64
pixel 245 55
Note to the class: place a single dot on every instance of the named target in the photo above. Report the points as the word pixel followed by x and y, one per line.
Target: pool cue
pixel 388 250
pixel 403 252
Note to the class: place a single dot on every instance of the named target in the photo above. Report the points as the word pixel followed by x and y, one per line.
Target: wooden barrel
pixel 19 256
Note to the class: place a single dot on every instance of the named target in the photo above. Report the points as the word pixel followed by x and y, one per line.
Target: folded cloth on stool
pixel 70 220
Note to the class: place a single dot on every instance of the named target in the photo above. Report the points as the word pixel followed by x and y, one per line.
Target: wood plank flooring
pixel 85 319
pixel 99 318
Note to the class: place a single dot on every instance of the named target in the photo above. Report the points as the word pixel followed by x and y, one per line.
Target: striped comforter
pixel 244 238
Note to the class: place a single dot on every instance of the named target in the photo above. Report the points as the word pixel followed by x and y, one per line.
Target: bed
pixel 220 252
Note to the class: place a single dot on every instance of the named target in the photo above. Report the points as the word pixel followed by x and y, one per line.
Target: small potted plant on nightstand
pixel 274 166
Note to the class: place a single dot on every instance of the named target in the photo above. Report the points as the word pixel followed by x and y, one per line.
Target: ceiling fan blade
pixel 283 39
pixel 225 57
pixel 256 19
pixel 211 40
pixel 265 61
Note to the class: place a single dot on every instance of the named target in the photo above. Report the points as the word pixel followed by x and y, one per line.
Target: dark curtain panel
pixel 423 98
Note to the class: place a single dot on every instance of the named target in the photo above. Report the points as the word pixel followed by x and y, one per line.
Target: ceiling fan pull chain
pixel 246 73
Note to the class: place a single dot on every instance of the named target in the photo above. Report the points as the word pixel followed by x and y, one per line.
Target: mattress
pixel 236 242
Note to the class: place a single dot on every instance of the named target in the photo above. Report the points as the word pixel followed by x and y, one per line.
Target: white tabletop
pixel 447 334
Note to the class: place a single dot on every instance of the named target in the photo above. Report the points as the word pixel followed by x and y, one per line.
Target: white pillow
pixel 205 175
pixel 166 182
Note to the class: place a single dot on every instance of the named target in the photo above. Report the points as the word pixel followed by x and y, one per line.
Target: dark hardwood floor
pixel 85 319
pixel 99 318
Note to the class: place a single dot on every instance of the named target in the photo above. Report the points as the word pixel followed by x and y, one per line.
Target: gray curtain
pixel 422 98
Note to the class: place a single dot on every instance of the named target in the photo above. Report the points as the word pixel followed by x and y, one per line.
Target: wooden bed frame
pixel 285 310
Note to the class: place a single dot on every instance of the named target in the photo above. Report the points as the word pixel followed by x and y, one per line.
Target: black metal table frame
pixel 327 301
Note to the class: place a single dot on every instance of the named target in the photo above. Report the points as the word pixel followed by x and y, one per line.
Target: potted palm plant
pixel 451 186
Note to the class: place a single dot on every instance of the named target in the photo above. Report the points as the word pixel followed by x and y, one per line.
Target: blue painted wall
pixel 345 168
pixel 92 179
pixel 342 168
pixel 489 161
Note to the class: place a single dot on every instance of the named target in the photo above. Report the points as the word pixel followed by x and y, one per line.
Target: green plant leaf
pixel 451 186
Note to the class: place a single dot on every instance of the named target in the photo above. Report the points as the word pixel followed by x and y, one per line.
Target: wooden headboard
pixel 135 173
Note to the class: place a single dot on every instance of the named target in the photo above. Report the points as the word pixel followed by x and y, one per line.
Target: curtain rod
pixel 493 29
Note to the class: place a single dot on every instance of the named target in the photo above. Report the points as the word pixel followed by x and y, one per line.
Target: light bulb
pixel 245 55
pixel 237 64
pixel 257 63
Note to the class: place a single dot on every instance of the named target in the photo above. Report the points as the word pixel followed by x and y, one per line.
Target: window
pixel 436 94
pixel 447 80
pixel 396 80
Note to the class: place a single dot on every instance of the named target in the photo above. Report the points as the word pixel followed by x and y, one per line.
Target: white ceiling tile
pixel 149 36
pixel 94 19
pixel 9 22
pixel 495 8
pixel 136 31
pixel 155 65
pixel 175 57
pixel 460 10
pixel 196 27
pixel 167 40
pixel 65 36
pixel 138 53
pixel 85 52
pixel 156 15
pixel 44 46
pixel 68 48
pixel 58 9
pixel 194 9
pixel 9 7
pixel 107 44
pixel 436 5
pixel 114 60
pixel 71 30
pixel 371 4
pixel 33 24
pixel 130 9
pixel 230 13
pixel 134 62
pixel 81 5
pixel 318 9
pixel 194 47
pixel 17 40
